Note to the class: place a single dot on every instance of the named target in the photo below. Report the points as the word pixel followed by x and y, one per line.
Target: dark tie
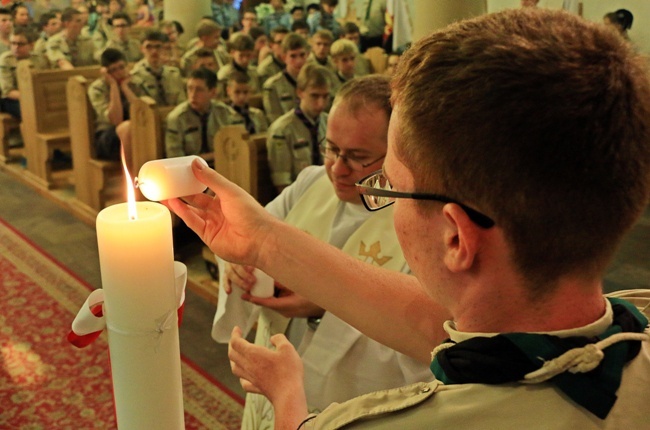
pixel 313 131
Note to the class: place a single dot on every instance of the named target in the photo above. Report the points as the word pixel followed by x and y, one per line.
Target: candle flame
pixel 130 189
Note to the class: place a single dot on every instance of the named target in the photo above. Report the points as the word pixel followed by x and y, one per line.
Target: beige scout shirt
pixel 256 115
pixel 329 64
pixel 41 51
pixel 79 53
pixel 495 407
pixel 130 48
pixel 225 71
pixel 173 88
pixel 289 147
pixel 184 130
pixel 269 66
pixel 99 95
pixel 8 64
pixel 278 96
pixel 223 59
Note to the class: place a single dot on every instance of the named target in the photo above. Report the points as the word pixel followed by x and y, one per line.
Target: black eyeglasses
pixel 377 193
pixel 353 162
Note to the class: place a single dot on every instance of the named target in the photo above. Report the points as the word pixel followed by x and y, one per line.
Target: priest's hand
pixel 287 303
pixel 276 374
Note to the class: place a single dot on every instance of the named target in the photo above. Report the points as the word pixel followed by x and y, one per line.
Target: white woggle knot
pixel 580 360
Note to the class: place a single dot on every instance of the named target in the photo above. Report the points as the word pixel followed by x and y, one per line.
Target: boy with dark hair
pixel 294 138
pixel 49 25
pixel 241 49
pixel 191 126
pixel 22 42
pixel 205 58
pixel 111 96
pixel 273 63
pixel 300 27
pixel 161 82
pixel 238 90
pixel 297 13
pixel 69 48
pixel 248 20
pixel 279 91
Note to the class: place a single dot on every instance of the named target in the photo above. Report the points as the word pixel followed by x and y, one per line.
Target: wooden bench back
pixel 42 96
pixel 148 122
pixel 242 159
pixel 378 59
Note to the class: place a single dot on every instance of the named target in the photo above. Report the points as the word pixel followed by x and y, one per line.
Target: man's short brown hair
pixel 539 119
pixel 360 93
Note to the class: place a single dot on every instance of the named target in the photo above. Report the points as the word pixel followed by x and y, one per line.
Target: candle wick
pixel 136 182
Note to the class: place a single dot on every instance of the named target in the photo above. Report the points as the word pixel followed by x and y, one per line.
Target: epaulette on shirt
pixel 301 143
pixel 279 136
pixel 191 129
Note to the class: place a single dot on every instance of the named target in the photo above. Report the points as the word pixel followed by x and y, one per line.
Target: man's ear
pixel 461 238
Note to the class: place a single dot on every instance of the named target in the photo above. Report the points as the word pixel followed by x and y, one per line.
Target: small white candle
pixel 169 178
pixel 137 268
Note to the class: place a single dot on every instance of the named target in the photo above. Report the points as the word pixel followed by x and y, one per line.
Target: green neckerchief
pixel 510 357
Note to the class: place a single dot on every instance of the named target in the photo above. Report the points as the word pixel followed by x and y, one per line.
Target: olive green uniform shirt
pixel 257 116
pixel 99 95
pixel 79 53
pixel 130 48
pixel 269 66
pixel 223 59
pixel 225 71
pixel 184 130
pixel 171 84
pixel 289 147
pixel 278 96
pixel 8 64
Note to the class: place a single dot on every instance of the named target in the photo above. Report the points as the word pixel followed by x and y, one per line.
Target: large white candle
pixel 137 267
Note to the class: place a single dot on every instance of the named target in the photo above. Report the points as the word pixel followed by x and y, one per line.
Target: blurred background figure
pixel 621 20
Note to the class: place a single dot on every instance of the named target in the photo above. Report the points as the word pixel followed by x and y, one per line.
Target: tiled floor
pixel 74 244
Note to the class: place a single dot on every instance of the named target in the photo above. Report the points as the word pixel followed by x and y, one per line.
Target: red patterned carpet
pixel 46 383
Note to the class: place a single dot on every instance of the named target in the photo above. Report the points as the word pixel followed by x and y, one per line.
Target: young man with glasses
pixel 22 41
pixel 293 141
pixel 272 64
pixel 340 363
pixel 111 96
pixel 532 341
pixel 120 40
pixel 159 81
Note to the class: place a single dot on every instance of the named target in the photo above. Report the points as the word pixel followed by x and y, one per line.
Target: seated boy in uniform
pixel 241 50
pixel 239 90
pixel 294 138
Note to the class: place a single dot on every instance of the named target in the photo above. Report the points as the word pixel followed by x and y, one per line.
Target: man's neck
pixel 497 308
pixel 69 36
pixel 156 68
pixel 292 73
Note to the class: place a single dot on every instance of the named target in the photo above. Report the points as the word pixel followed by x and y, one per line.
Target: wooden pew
pixel 148 123
pixel 7 124
pixel 45 117
pixel 91 175
pixel 242 159
pixel 378 59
